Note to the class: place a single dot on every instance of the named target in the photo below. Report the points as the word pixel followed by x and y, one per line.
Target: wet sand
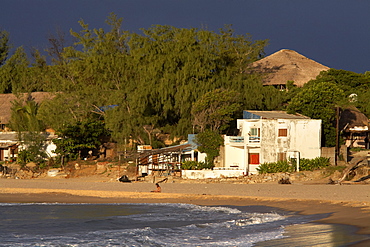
pixel 346 204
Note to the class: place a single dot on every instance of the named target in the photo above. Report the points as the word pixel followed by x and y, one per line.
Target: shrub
pixel 195 165
pixel 274 167
pixel 312 164
pixel 290 166
pixel 27 156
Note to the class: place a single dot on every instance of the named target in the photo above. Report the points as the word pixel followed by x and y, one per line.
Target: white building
pixel 270 136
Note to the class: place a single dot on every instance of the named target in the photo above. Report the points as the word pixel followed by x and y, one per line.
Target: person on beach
pixel 158 188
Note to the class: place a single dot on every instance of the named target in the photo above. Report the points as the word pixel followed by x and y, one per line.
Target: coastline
pixel 345 204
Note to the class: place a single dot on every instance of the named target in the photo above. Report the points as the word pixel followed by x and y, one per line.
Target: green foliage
pixel 24 120
pixel 210 143
pixel 214 110
pixel 319 101
pixel 274 167
pixel 312 164
pixel 4 46
pixel 34 149
pixel 290 166
pixel 195 165
pixel 25 116
pixel 78 139
pixel 350 82
pixel 151 78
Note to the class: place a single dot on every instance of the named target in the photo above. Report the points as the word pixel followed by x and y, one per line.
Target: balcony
pixel 241 141
pixel 234 140
pixel 254 139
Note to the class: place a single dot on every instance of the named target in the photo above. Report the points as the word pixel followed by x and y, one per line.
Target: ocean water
pixel 162 225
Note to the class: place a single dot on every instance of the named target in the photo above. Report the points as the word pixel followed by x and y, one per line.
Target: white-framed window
pixel 254 135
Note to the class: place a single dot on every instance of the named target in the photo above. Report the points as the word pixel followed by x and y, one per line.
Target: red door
pixel 254 158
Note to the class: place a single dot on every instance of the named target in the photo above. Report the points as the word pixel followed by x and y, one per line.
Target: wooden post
pixel 337 138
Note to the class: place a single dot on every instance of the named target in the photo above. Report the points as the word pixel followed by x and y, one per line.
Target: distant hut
pixel 354 127
pixel 287 65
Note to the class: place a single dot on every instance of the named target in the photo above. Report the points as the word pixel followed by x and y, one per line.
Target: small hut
pixel 354 127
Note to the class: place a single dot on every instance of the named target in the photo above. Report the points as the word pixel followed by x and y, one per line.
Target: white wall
pixel 306 138
pixel 235 156
pixel 203 174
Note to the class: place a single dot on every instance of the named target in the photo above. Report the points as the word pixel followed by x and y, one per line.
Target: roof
pixel 271 115
pixel 288 65
pixel 8 136
pixel 186 147
pixel 351 119
pixel 7 99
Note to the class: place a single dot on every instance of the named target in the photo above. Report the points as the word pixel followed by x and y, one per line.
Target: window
pixel 283 133
pixel 254 135
pixel 281 156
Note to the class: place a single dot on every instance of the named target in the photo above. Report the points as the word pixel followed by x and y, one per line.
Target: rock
pixel 100 168
pixel 53 172
pixel 284 181
pixel 124 179
pixel 31 165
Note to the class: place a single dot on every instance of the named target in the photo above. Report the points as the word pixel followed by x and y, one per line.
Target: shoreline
pixel 345 204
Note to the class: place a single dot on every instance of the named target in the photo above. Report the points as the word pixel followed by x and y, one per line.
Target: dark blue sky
pixel 335 33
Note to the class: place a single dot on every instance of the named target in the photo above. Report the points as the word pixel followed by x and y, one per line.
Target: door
pixel 254 158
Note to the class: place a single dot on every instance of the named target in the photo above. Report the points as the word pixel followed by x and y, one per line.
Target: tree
pixel 4 46
pixel 151 78
pixel 24 120
pixel 75 141
pixel 350 82
pixel 319 101
pixel 214 110
pixel 25 116
pixel 209 142
pixel 355 86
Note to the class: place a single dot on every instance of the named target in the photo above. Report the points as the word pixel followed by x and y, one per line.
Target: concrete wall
pixel 234 156
pixel 329 153
pixel 203 174
pixel 306 137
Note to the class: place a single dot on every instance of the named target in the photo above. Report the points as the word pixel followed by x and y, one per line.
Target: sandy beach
pixel 346 204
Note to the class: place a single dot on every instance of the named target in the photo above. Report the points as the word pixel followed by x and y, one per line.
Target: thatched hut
pixel 287 65
pixel 354 127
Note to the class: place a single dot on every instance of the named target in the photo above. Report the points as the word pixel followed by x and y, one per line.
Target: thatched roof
pixel 7 99
pixel 352 119
pixel 287 65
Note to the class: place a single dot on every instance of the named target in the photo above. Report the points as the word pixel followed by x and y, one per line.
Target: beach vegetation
pixel 275 167
pixel 291 165
pixel 195 165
